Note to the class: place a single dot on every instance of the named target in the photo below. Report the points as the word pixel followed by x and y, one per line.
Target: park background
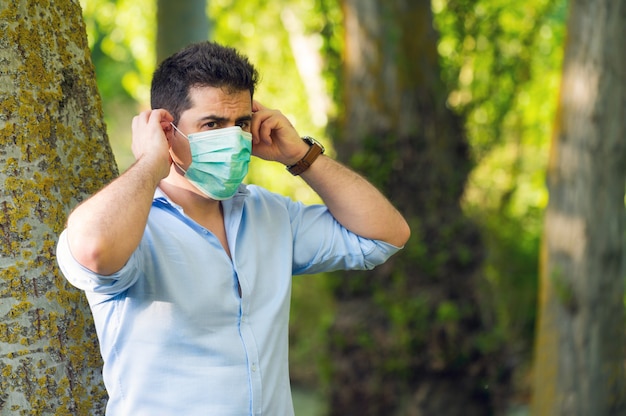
pixel 458 111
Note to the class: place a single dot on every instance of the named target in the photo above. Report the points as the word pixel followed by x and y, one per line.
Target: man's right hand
pixel 104 230
pixel 150 139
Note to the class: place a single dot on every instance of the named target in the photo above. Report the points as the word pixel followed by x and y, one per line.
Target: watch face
pixel 303 164
pixel 311 141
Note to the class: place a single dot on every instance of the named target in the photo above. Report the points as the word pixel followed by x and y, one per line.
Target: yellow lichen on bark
pixel 53 153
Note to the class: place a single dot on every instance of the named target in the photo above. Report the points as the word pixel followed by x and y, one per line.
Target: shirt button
pixel 253 368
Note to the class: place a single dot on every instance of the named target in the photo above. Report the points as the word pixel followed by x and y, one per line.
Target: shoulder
pixel 256 194
pixel 263 202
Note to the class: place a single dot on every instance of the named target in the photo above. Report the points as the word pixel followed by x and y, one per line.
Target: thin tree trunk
pixel 180 23
pixel 579 357
pixel 53 153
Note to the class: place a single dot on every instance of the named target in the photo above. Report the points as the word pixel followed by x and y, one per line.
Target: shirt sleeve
pixel 321 244
pixel 85 279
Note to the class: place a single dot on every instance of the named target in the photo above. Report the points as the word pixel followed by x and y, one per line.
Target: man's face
pixel 211 108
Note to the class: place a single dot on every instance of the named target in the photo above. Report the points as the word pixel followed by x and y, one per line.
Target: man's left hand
pixel 274 137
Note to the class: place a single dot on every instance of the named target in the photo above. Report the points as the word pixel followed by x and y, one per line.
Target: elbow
pixel 89 253
pixel 396 232
pixel 402 235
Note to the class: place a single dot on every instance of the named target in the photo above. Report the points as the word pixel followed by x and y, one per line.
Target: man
pixel 188 271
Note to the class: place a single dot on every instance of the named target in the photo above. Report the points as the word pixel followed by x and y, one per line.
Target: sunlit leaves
pixel 501 61
pixel 121 37
pixel 489 56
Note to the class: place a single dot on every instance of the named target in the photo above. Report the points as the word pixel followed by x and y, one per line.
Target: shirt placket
pixel 232 218
pixel 252 353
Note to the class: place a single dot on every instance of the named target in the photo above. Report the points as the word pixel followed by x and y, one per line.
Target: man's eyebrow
pixel 245 118
pixel 213 117
pixel 221 119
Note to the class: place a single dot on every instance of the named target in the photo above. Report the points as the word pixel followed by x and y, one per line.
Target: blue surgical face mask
pixel 219 160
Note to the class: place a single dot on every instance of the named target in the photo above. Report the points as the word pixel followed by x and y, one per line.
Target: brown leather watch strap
pixel 303 164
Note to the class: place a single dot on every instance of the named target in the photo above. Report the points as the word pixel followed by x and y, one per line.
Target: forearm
pixel 105 229
pixel 352 200
pixel 355 203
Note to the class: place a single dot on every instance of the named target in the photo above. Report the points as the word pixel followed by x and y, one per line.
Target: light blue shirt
pixel 176 337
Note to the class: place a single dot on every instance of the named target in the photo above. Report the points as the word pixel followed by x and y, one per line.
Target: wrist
pixel 315 150
pixel 153 167
pixel 293 160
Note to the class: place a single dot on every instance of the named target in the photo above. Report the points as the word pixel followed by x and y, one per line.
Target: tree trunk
pixel 180 23
pixel 53 153
pixel 579 356
pixel 406 336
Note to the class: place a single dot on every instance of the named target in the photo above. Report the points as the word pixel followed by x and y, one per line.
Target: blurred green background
pixel 500 62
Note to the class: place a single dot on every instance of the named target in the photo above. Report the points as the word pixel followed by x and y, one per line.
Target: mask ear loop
pixel 176 128
pixel 173 161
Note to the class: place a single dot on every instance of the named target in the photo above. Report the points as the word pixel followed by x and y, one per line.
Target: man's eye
pixel 210 125
pixel 244 125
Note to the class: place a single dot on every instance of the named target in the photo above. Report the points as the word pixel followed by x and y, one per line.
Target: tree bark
pixel 405 338
pixel 53 153
pixel 579 353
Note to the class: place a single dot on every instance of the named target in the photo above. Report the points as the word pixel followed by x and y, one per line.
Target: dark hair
pixel 204 64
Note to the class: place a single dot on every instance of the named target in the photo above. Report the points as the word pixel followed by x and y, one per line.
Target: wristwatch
pixel 303 164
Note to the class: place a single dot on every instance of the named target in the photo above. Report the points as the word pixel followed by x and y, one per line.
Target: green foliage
pixel 376 157
pixel 511 272
pixel 311 315
pixel 329 24
pixel 501 61
pixel 448 312
pixel 121 36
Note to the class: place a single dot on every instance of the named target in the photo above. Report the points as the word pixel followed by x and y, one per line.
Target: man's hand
pixel 150 140
pixel 104 230
pixel 274 138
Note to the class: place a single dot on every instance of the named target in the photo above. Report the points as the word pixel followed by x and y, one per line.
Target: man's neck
pixel 183 193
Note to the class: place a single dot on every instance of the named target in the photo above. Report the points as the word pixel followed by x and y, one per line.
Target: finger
pixel 265 130
pixel 157 116
pixel 140 118
pixel 264 122
pixel 257 106
pixel 165 120
pixel 164 116
pixel 166 126
pixel 262 128
pixel 257 121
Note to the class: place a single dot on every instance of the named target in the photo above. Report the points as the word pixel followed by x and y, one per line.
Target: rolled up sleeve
pixel 85 279
pixel 321 244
